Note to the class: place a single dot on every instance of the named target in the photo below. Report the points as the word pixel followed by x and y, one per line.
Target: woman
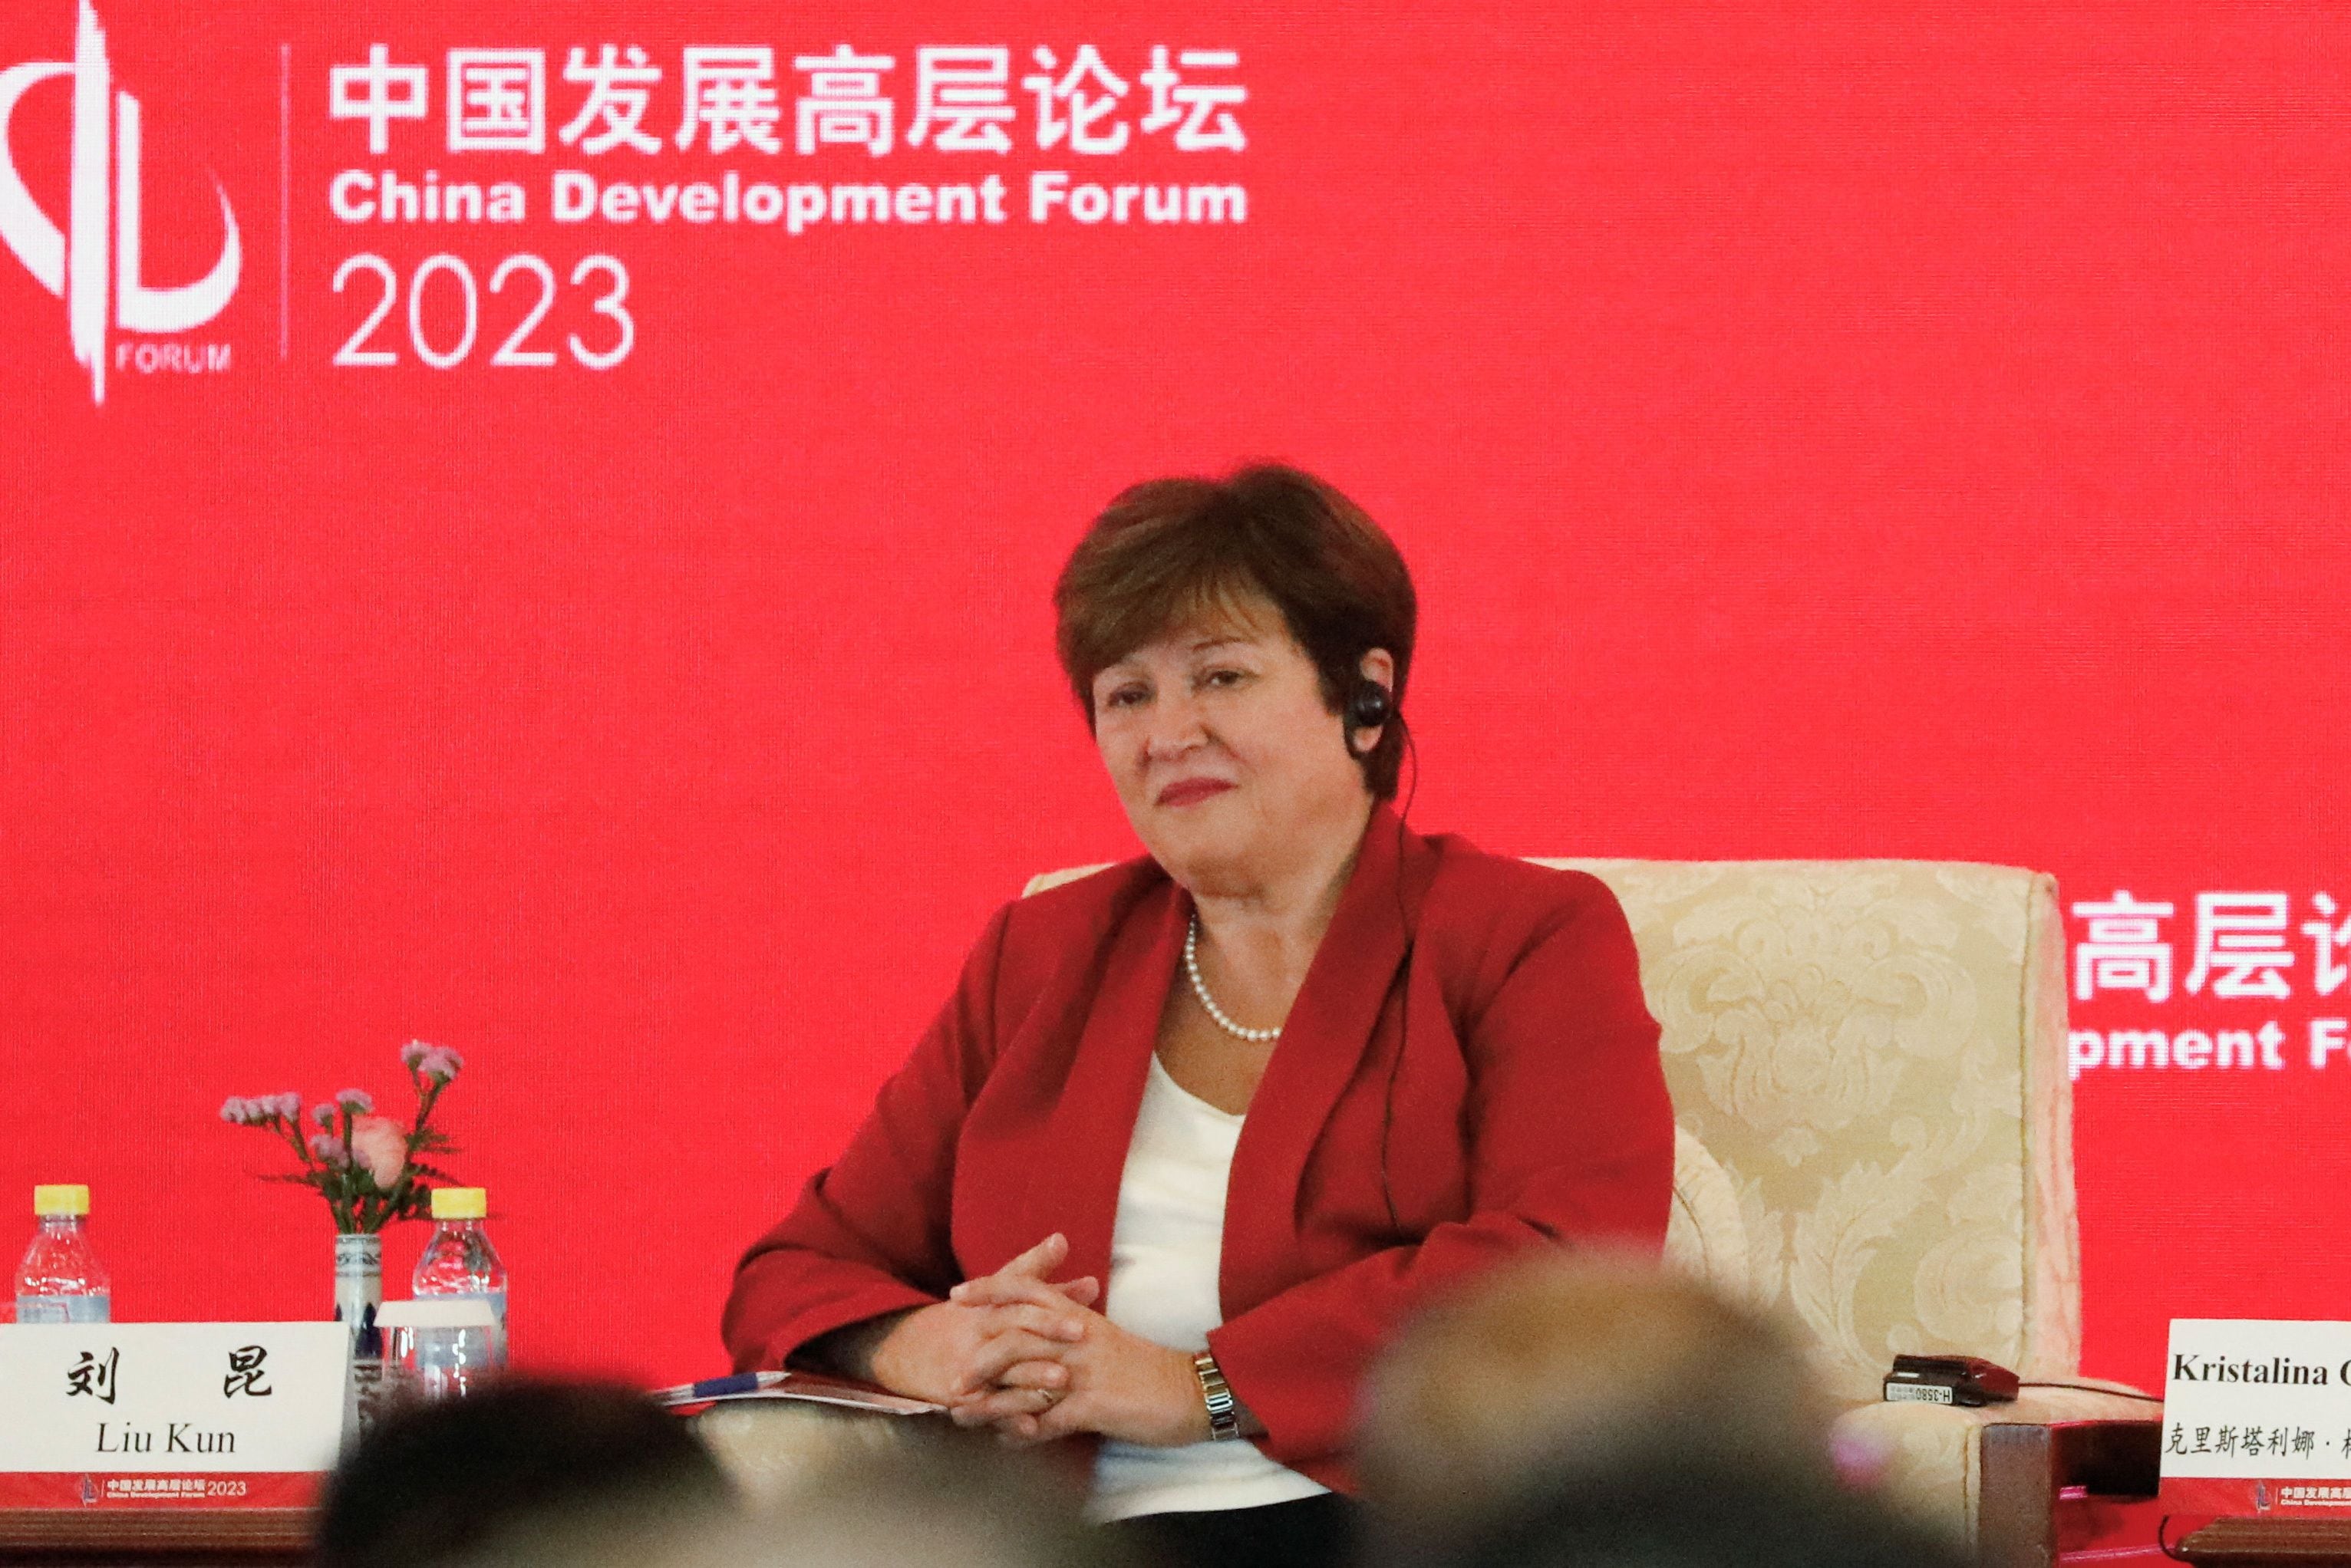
pixel 1274 1085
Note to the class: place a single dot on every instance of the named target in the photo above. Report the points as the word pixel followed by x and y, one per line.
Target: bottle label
pixel 93 1309
pixel 498 1300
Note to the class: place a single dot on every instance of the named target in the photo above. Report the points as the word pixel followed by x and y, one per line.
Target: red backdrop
pixel 1816 431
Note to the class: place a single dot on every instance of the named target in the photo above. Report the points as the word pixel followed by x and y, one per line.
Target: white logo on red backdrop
pixel 76 262
pixel 2240 960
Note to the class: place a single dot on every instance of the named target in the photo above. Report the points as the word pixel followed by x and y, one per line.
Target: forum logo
pixel 91 264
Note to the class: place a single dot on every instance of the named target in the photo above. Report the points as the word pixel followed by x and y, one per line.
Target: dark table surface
pixel 2270 1544
pixel 134 1537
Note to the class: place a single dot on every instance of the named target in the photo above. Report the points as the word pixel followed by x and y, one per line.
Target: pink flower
pixel 412 1053
pixel 261 1110
pixel 328 1149
pixel 378 1147
pixel 441 1062
pixel 357 1100
pixel 323 1114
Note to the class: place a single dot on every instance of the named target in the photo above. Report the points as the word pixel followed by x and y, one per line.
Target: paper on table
pixel 811 1388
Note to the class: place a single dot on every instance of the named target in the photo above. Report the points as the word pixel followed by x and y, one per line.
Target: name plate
pixel 2257 1417
pixel 141 1411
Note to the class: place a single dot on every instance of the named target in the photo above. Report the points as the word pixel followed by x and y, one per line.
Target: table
pixel 141 1537
pixel 2270 1544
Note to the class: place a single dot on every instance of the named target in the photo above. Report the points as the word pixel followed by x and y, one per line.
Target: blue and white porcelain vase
pixel 359 1292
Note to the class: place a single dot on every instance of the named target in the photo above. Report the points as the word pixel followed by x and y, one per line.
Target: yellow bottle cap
pixel 460 1202
pixel 60 1199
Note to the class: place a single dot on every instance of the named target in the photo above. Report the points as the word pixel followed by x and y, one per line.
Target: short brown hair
pixel 1167 550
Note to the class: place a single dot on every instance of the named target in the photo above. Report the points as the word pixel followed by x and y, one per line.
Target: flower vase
pixel 359 1292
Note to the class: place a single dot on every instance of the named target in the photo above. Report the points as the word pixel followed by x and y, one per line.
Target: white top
pixel 1164 1255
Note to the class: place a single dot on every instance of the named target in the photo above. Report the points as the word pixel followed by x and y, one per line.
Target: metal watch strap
pixel 1224 1414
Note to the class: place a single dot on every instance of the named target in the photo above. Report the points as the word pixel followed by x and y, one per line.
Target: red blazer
pixel 1379 1163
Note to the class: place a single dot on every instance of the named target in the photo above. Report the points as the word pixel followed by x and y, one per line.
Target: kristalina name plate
pixel 2257 1417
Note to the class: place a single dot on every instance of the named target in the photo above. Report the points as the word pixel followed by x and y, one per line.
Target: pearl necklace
pixel 1200 989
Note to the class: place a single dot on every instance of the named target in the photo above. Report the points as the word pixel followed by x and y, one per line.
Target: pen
pixel 718 1387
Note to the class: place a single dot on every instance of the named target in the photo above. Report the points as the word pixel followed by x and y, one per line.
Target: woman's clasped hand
pixel 1032 1358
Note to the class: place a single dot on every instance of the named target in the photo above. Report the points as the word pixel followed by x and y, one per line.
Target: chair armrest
pixel 1986 1476
pixel 2025 1468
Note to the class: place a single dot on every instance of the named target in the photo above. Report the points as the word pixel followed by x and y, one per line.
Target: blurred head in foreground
pixel 522 1471
pixel 1565 1372
pixel 931 1504
pixel 1690 1517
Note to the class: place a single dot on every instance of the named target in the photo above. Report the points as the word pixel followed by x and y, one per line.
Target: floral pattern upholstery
pixel 1706 1236
pixel 1872 1051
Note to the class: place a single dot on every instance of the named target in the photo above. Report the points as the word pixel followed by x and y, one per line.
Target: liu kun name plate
pixel 131 1398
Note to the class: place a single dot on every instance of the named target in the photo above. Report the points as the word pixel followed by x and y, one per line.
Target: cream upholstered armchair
pixel 1868 1061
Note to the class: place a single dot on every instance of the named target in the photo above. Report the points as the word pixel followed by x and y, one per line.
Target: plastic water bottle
pixel 62 1280
pixel 460 1261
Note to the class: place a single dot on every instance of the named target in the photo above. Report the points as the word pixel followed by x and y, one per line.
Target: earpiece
pixel 1368 708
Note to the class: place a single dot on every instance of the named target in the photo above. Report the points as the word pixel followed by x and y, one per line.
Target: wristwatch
pixel 1224 1414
